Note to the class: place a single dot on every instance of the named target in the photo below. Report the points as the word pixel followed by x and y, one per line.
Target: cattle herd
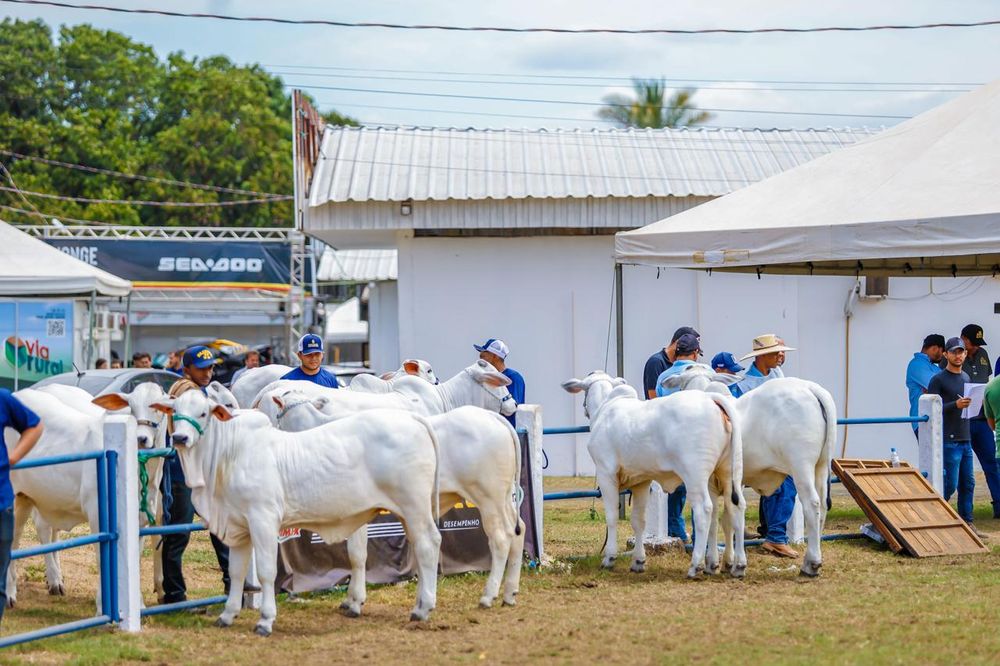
pixel 273 454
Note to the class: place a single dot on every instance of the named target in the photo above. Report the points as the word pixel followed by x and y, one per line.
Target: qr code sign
pixel 55 328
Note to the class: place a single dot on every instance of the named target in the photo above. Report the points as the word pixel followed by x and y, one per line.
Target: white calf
pixel 249 481
pixel 384 383
pixel 253 380
pixel 690 438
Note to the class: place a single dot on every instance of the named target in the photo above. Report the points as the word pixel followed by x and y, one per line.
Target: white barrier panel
pixel 930 438
pixel 656 515
pixel 529 417
pixel 119 436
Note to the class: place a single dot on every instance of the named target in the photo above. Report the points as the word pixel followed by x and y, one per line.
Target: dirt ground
pixel 869 606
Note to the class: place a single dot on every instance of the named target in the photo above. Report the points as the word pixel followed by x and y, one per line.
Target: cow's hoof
pixel 344 605
pixel 511 602
pixel 810 569
pixel 695 573
pixel 712 569
pixel 485 602
pixel 262 631
pixel 608 564
pixel 418 617
pixel 11 602
pixel 222 624
pixel 57 590
pixel 639 566
pixel 349 611
pixel 738 570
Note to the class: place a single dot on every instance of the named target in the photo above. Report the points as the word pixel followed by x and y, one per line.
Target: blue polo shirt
pixel 918 377
pixel 13 414
pixel 516 389
pixel 323 377
pixel 675 369
pixel 752 379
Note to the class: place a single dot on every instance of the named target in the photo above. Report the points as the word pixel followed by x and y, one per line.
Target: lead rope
pixel 143 488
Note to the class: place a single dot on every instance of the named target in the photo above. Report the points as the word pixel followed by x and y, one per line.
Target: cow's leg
pixel 53 570
pixel 640 497
pixel 712 553
pixel 805 486
pixel 239 563
pixel 512 579
pixel 423 534
pixel 609 497
pixel 357 552
pixel 22 509
pixel 735 527
pixel 264 537
pixel 701 513
pixel 497 531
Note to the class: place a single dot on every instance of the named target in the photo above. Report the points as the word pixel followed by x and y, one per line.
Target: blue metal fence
pixel 106 537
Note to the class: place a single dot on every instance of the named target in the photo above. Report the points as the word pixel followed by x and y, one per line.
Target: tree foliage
pixel 650 107
pixel 101 99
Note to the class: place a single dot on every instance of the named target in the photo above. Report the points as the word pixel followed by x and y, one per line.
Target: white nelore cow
pixel 60 497
pixel 479 385
pixel 249 481
pixel 480 461
pixel 789 428
pixel 691 438
pixel 253 380
pixel 384 383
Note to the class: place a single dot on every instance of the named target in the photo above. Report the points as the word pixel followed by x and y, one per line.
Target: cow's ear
pixel 411 367
pixel 221 413
pixel 320 402
pixel 163 408
pixel 278 401
pixel 672 382
pixel 496 379
pixel 111 402
pixel 572 385
pixel 386 376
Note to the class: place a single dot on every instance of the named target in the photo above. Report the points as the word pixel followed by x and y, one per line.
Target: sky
pixel 736 73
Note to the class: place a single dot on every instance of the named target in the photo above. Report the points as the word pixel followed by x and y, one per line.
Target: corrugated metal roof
pixel 357 266
pixel 400 163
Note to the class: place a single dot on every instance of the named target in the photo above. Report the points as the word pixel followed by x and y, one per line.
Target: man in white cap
pixel 311 358
pixel 495 351
pixel 775 509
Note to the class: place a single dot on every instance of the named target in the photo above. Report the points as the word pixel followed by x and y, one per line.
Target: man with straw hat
pixel 775 509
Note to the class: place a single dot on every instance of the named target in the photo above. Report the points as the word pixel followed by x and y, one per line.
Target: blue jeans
pixel 776 510
pixel 985 447
pixel 675 513
pixel 958 475
pixel 6 543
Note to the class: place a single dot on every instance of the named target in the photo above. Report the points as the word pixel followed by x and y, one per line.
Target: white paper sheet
pixel 974 391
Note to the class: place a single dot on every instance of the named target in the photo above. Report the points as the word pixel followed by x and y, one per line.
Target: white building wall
pixel 550 299
pixel 383 326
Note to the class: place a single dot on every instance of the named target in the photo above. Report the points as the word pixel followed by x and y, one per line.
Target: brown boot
pixel 780 549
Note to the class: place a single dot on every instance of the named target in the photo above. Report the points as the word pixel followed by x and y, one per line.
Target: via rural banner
pixel 37 341
pixel 186 264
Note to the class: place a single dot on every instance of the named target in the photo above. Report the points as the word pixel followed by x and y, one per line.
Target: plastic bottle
pixel 893 457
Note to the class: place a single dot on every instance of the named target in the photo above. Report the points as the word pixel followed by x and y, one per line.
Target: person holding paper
pixel 977 366
pixel 958 474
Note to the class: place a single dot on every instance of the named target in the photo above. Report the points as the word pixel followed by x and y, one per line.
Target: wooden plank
pixel 906 509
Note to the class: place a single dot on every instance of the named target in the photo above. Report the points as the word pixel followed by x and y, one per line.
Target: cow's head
pixel 419 368
pixel 220 394
pixel 190 414
pixel 700 377
pixel 598 387
pixel 139 402
pixel 495 384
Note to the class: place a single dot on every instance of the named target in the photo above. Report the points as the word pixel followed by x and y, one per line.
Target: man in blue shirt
pixel 660 361
pixel 775 509
pixel 921 368
pixel 311 357
pixel 13 414
pixel 494 352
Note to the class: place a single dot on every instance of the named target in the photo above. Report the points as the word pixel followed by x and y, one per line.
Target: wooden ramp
pixel 906 509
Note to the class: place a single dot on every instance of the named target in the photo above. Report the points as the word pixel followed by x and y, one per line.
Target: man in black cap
pixel 977 366
pixel 661 361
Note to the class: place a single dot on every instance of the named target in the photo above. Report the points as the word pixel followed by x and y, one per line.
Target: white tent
pixel 922 198
pixel 31 267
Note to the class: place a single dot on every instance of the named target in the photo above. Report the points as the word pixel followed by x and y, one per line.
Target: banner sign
pixel 307 563
pixel 38 341
pixel 164 264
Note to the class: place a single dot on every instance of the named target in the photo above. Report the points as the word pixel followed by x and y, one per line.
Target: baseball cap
pixel 687 344
pixel 726 361
pixel 684 330
pixel 953 344
pixel 974 333
pixel 494 346
pixel 310 343
pixel 198 356
pixel 934 340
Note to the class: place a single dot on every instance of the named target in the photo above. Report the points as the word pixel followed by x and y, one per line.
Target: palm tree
pixel 648 108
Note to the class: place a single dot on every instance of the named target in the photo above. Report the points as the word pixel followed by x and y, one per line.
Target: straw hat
pixel 766 344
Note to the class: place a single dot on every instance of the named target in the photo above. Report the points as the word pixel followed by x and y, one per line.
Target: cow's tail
pixel 725 403
pixel 829 410
pixel 437 465
pixel 515 488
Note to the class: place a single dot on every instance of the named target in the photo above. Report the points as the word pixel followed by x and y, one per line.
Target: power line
pixel 61 218
pixel 579 103
pixel 131 202
pixel 132 176
pixel 456 28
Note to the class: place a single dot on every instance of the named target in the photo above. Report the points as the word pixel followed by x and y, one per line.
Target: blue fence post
pixel 102 522
pixel 112 480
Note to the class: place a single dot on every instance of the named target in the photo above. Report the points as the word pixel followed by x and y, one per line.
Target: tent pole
pixel 619 321
pixel 128 327
pixel 90 335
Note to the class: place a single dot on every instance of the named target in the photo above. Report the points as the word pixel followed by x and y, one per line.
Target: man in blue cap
pixel 724 363
pixel 310 355
pixel 494 352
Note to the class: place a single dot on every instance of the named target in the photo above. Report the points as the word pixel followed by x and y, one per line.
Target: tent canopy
pixel 31 267
pixel 922 198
